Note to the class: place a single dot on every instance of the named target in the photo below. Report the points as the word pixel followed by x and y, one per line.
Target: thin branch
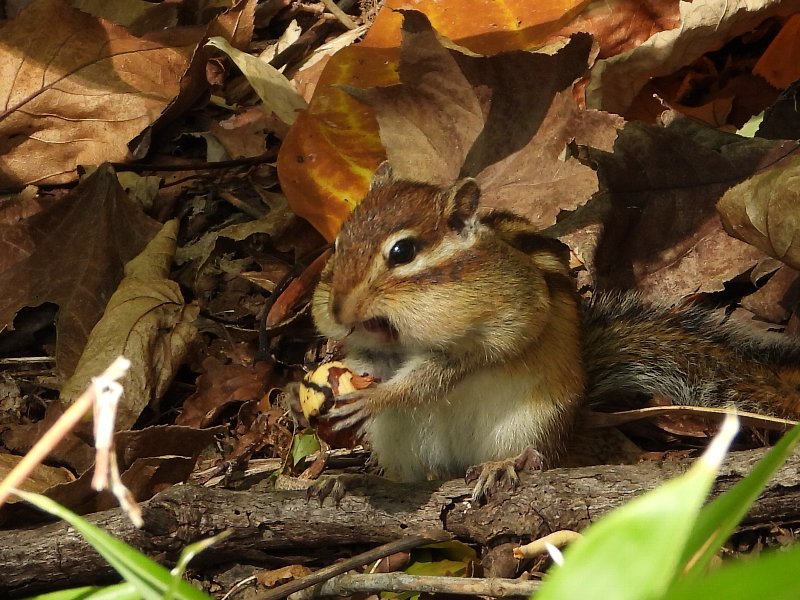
pixel 342 16
pixel 359 560
pixel 346 585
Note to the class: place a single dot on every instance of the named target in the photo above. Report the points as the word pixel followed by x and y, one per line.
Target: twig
pixel 597 420
pixel 24 360
pixel 195 165
pixel 346 585
pixel 250 211
pixel 52 436
pixel 337 12
pixel 353 563
pixel 559 539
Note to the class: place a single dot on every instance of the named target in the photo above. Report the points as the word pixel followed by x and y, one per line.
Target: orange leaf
pixel 326 161
pixel 329 154
pixel 503 25
pixel 780 63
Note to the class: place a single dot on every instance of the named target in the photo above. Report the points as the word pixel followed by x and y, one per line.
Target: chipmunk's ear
pixel 462 203
pixel 383 176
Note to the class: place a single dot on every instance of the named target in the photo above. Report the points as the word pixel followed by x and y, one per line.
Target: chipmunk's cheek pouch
pixel 493 476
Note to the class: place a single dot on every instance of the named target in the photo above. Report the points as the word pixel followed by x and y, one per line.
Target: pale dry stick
pixel 346 585
pixel 106 470
pixel 25 360
pixel 600 420
pixel 60 428
pixel 559 539
pixel 239 585
pixel 340 15
pixel 250 211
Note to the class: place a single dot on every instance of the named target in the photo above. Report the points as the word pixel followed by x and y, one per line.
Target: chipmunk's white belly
pixel 491 415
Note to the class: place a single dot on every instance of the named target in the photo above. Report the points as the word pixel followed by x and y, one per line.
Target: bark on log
pixel 265 524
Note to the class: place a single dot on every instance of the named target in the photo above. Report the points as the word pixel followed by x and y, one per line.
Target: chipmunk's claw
pixel 325 487
pixel 493 476
pixel 328 486
pixel 350 412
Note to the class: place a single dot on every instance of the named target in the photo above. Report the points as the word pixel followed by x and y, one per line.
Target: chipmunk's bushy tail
pixel 689 355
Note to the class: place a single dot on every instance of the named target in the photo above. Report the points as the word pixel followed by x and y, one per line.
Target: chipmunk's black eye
pixel 402 252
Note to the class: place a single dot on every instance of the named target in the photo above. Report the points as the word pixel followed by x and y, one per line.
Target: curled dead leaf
pixel 765 211
pixel 148 322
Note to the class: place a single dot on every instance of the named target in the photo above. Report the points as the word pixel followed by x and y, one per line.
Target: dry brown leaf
pixel 149 459
pixel 236 24
pixel 16 241
pixel 73 254
pixel 221 385
pixel 287 233
pixel 660 229
pixel 779 64
pixel 273 577
pixel 261 427
pixel 42 477
pixel 775 301
pixel 704 26
pixel 297 293
pixel 146 321
pixel 78 90
pixel 243 135
pixel 621 25
pixel 455 114
pixel 138 16
pixel 458 115
pixel 765 210
pixel 542 180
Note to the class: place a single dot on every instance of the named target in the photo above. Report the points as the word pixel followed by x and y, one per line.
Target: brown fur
pixel 487 360
pixel 688 355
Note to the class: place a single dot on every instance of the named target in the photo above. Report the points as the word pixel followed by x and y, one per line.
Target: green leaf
pixel 750 128
pixel 443 568
pixel 304 445
pixel 634 552
pixel 717 521
pixel 772 575
pixel 151 580
pixel 452 550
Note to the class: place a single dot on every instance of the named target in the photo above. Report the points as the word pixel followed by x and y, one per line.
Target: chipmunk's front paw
pixel 349 412
pixel 492 476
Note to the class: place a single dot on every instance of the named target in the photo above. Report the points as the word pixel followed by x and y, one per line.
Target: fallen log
pixel 266 524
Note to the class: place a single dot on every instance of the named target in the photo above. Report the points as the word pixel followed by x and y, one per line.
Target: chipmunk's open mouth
pixel 382 327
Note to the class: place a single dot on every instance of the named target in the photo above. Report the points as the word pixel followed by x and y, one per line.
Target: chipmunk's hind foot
pixel 493 476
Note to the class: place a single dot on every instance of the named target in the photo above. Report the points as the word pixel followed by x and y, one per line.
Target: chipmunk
pixel 484 350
